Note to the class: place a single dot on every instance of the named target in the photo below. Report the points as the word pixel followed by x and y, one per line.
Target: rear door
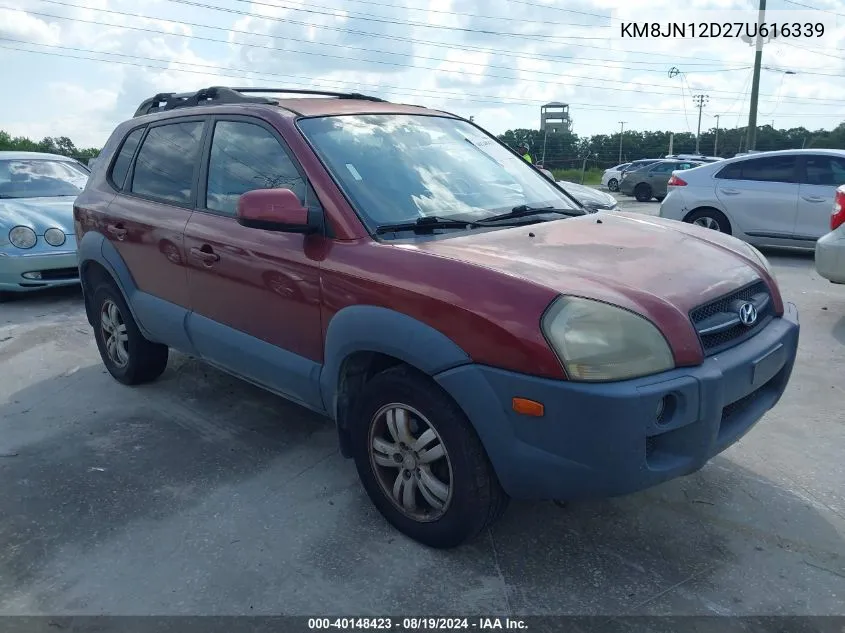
pixel 658 177
pixel 145 222
pixel 761 195
pixel 255 293
pixel 820 175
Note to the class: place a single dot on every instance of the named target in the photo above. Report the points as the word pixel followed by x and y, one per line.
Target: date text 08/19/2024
pixel 416 623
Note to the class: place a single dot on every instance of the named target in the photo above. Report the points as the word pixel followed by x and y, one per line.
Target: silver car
pixel 768 198
pixel 830 249
pixel 37 240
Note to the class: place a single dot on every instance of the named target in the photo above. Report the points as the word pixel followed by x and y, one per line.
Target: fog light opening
pixel 32 275
pixel 665 410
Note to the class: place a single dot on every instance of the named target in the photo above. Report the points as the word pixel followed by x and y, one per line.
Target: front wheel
pixel 421 462
pixel 613 184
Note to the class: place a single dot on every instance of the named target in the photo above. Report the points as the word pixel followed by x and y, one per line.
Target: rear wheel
pixel 642 192
pixel 613 184
pixel 129 357
pixel 421 462
pixel 710 219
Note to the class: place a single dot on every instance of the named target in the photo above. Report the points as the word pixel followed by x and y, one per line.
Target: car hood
pixel 587 195
pixel 659 268
pixel 39 214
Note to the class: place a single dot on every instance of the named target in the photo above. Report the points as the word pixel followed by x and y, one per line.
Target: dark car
pixel 651 180
pixel 474 335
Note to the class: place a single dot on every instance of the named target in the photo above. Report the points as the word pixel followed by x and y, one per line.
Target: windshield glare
pixel 40 178
pixel 398 168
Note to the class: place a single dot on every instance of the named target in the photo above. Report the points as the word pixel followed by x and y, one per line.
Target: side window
pixel 770 169
pixel 663 168
pixel 164 168
pixel 825 170
pixel 731 172
pixel 124 157
pixel 245 157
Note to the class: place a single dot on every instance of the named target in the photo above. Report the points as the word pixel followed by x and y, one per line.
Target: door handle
pixel 117 230
pixel 205 255
pixel 729 192
pixel 814 198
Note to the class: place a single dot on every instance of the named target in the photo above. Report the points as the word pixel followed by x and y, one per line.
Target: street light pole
pixel 716 140
pixel 621 131
pixel 751 137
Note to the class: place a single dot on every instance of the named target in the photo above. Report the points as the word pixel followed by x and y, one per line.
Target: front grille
pixel 56 274
pixel 723 310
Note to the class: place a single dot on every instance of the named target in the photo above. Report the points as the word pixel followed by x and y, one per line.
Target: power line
pixel 807 6
pixel 697 60
pixel 414 92
pixel 439 11
pixel 636 87
pixel 383 20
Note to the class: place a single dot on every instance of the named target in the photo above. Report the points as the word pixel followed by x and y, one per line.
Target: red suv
pixel 474 334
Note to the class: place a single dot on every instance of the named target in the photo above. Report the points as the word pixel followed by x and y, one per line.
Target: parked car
pixel 473 334
pixel 830 249
pixel 639 164
pixel 37 241
pixel 591 199
pixel 701 158
pixel 651 180
pixel 780 198
pixel 610 177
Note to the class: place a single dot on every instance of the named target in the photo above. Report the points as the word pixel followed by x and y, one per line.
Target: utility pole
pixel 621 131
pixel 699 101
pixel 751 138
pixel 716 140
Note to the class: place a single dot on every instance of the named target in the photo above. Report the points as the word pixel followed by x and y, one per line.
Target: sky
pixel 76 68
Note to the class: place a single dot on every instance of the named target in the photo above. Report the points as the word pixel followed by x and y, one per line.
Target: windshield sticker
pixel 353 171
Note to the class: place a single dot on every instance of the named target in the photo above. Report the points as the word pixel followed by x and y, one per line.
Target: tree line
pixel 52 145
pixel 568 150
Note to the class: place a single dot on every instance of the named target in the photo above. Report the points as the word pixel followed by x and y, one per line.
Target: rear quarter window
pixel 121 164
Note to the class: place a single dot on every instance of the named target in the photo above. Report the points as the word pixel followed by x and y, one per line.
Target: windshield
pixel 40 178
pixel 398 168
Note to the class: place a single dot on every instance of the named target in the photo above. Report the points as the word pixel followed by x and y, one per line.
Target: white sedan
pixel 611 177
pixel 778 198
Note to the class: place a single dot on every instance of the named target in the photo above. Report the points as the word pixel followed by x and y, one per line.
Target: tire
pixel 710 219
pixel 459 477
pixel 642 192
pixel 133 359
pixel 660 198
pixel 613 184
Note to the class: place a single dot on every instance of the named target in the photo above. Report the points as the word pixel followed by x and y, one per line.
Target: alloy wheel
pixel 707 222
pixel 410 461
pixel 114 333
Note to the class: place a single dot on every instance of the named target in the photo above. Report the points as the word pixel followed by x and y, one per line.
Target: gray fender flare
pixel 94 247
pixel 374 329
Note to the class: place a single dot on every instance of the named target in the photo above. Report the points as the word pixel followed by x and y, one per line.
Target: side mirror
pixel 273 210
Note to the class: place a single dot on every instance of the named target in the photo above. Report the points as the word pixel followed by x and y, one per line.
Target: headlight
pixel 54 237
pixel 596 341
pixel 22 237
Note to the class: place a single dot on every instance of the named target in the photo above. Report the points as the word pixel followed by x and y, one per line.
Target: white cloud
pixel 388 48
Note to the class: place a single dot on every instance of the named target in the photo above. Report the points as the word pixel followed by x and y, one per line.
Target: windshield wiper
pixel 524 210
pixel 426 224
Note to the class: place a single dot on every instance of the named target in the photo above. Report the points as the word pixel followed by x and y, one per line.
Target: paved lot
pixel 200 494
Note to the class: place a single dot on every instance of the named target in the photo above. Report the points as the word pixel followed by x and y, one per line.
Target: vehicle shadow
pixel 113 496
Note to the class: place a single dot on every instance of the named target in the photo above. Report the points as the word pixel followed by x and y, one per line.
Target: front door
pixel 255 293
pixel 820 176
pixel 761 195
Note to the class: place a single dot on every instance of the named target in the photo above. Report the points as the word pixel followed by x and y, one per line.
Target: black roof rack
pixel 217 95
